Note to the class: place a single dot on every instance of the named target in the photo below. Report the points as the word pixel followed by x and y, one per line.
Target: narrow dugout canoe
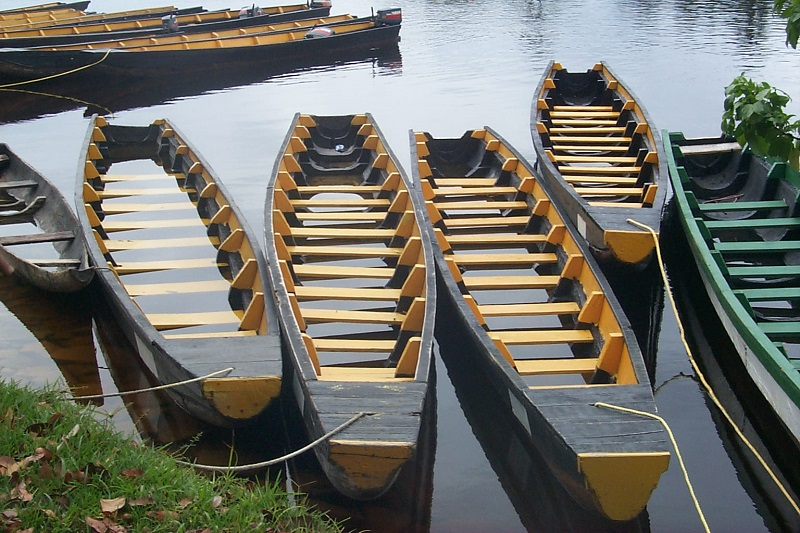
pixel 181 269
pixel 739 213
pixel 540 320
pixel 188 23
pixel 36 20
pixel 270 48
pixel 40 237
pixel 602 158
pixel 355 289
pixel 50 6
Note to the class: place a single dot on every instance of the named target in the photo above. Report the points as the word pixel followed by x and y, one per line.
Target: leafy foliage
pixel 754 114
pixel 790 10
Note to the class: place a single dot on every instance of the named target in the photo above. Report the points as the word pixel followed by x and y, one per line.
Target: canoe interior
pixel 355 284
pixel 184 275
pixel 741 216
pixel 596 134
pixel 40 237
pixel 544 327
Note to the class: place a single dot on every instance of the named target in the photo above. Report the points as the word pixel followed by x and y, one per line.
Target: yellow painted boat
pixel 601 156
pixel 181 270
pixel 356 294
pixel 67 18
pixel 532 312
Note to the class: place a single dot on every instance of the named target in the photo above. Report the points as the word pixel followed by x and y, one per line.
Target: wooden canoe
pixel 40 237
pixel 189 23
pixel 602 158
pixel 181 269
pixel 158 61
pixel 66 18
pixel 540 320
pixel 355 288
pixel 49 6
pixel 739 213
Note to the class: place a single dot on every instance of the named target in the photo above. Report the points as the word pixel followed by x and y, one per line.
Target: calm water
pixel 462 64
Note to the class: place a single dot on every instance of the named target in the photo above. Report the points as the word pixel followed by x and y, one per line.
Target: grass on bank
pixel 62 470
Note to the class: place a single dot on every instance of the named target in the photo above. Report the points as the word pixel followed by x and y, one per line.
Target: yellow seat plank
pixel 464 182
pixel 180 287
pixel 118 208
pixel 138 267
pixel 591 130
pixel 487 191
pixel 530 367
pixel 211 335
pixel 353 317
pixel 455 223
pixel 358 216
pixel 606 180
pixel 617 204
pixel 588 148
pixel 582 108
pixel 336 233
pixel 548 336
pixel 567 169
pixel 130 225
pixel 497 239
pixel 356 374
pixel 149 191
pixel 345 251
pixel 112 178
pixel 479 205
pixel 510 282
pixel 583 113
pixel 322 189
pixel 609 191
pixel 312 272
pixel 529 309
pixel 503 259
pixel 354 345
pixel 165 321
pixel 605 139
pixel 154 244
pixel 345 293
pixel 343 202
pixel 593 159
pixel 582 122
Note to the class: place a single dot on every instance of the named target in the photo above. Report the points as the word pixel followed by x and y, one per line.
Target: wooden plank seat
pixel 600 139
pixel 570 148
pixel 713 148
pixel 543 336
pixel 167 321
pixel 781 330
pixel 37 238
pixel 310 190
pixel 318 316
pixel 529 309
pixel 603 180
pixel 127 193
pixel 343 216
pixel 114 178
pixel 344 251
pixel 155 244
pixel 754 223
pixel 501 260
pixel 323 344
pixel 609 191
pixel 476 222
pixel 304 292
pixel 318 272
pixel 757 246
pixel 120 208
pixel 592 130
pixel 581 169
pixel 474 283
pixel 758 205
pixel 359 374
pixel 628 204
pixel 444 192
pixel 480 205
pixel 583 113
pixel 766 272
pixel 341 202
pixel 139 267
pixel 56 263
pixel 592 159
pixel 770 294
pixel 112 226
pixel 211 334
pixel 19 184
pixel 336 233
pixel 582 121
pixel 464 182
pixel 26 214
pixel 582 108
pixel 496 239
pixel 177 287
pixel 531 367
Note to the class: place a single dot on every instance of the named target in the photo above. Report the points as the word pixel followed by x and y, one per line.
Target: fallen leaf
pixel 21 493
pixel 183 503
pixel 216 501
pixel 132 473
pixel 98 526
pixel 138 502
pixel 9 513
pixel 112 505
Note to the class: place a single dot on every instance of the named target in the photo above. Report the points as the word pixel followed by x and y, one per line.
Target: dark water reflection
pixel 461 64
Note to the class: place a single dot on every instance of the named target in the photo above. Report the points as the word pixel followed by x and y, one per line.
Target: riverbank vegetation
pixel 63 469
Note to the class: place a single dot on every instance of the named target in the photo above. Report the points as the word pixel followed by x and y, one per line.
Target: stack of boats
pixel 337 305
pixel 158 42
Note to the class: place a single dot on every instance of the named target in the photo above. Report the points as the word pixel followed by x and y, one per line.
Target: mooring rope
pixel 702 378
pixel 674 445
pixel 151 389
pixel 59 97
pixel 25 82
pixel 264 464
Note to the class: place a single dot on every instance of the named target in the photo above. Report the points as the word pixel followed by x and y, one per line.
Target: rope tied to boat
pixel 239 469
pixel 152 389
pixel 60 74
pixel 706 385
pixel 674 445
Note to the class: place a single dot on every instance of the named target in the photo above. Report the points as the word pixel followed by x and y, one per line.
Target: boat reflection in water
pixel 540 500
pixel 732 385
pixel 62 323
pixel 111 94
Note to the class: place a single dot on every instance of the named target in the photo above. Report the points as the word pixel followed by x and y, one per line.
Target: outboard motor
pixel 319 32
pixel 390 17
pixel 247 12
pixel 169 23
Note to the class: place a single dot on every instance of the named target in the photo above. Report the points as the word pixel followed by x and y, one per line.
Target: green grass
pixel 63 470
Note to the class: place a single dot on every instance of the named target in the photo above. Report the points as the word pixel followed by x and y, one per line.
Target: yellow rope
pixel 57 75
pixel 674 445
pixel 151 389
pixel 702 378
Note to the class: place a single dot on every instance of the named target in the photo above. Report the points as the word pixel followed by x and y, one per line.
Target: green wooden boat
pixel 740 215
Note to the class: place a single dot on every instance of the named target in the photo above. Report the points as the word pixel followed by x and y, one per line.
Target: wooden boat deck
pixel 544 326
pixel 190 285
pixel 356 290
pixel 740 215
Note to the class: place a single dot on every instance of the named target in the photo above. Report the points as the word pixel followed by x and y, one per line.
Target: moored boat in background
pixel 356 295
pixel 739 212
pixel 602 158
pixel 541 322
pixel 40 237
pixel 187 280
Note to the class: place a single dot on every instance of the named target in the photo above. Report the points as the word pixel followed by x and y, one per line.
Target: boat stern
pixel 242 398
pixel 634 247
pixel 367 469
pixel 621 483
